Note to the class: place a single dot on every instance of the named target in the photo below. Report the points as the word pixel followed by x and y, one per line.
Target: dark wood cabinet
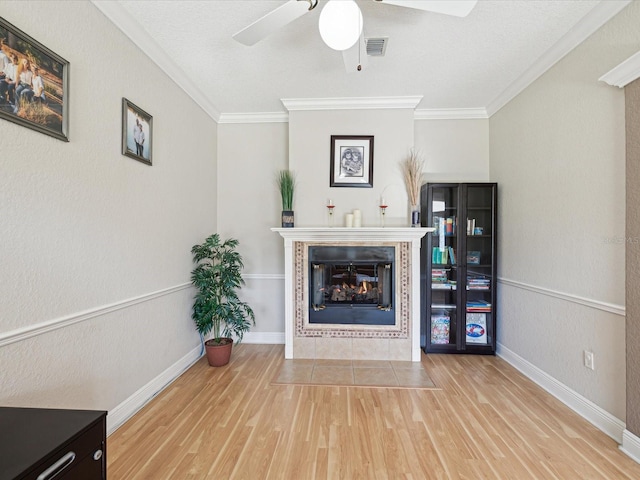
pixel 43 444
pixel 459 267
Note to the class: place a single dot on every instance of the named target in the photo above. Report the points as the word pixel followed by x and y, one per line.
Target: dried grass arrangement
pixel 412 167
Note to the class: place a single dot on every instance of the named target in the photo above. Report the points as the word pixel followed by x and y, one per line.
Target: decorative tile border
pixel 403 297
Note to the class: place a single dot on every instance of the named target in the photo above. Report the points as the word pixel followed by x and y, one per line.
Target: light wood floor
pixel 486 422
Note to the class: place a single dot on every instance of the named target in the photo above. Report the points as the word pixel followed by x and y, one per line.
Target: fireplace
pixel 351 285
pixel 377 317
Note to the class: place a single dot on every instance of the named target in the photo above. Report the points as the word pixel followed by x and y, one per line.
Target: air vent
pixel 376 46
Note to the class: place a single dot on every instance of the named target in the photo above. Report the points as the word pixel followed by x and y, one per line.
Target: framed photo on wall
pixel 137 132
pixel 34 84
pixel 351 162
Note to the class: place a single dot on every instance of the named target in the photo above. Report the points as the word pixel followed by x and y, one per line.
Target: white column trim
pixel 288 299
pixel 415 300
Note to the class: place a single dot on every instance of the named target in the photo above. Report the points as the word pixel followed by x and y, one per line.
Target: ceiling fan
pixel 293 9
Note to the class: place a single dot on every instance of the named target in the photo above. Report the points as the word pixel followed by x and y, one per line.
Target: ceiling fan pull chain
pixel 359 45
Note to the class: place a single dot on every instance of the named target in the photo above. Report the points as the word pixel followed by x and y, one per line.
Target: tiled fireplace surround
pixel 400 341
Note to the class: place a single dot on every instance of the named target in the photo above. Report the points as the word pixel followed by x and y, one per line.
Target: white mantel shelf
pixel 337 234
pixel 412 235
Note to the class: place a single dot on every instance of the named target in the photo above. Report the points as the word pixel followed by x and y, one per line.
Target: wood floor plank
pixel 485 421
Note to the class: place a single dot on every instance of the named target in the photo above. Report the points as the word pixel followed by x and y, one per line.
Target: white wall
pixel 249 206
pixel 558 154
pixel 309 154
pixel 454 150
pixel 94 237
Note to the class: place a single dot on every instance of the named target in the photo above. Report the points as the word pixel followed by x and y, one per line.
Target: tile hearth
pixel 356 373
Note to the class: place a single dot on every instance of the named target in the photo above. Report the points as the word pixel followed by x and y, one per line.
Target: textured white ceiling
pixel 452 62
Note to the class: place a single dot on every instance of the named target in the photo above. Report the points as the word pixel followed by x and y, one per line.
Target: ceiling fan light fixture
pixel 340 24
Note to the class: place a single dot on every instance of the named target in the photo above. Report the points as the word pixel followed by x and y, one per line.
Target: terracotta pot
pixel 218 354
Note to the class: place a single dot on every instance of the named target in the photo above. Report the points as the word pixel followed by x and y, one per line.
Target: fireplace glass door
pixel 351 285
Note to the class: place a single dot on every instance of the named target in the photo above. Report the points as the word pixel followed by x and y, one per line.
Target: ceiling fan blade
pixel 457 8
pixel 273 21
pixel 356 55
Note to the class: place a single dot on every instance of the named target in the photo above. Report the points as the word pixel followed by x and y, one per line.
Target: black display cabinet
pixel 458 268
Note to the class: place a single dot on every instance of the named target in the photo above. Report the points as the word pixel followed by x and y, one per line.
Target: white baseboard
pixel 599 417
pixel 123 412
pixel 630 445
pixel 139 399
pixel 270 338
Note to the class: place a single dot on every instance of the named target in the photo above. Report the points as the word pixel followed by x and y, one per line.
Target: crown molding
pixel 139 36
pixel 450 114
pixel 354 103
pixel 257 117
pixel 423 114
pixel 623 74
pixel 592 21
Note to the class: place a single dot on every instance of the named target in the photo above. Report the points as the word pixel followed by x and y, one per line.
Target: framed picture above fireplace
pixel 351 162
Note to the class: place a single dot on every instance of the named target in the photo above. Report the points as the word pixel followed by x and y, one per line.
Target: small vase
pixel 287 218
pixel 415 215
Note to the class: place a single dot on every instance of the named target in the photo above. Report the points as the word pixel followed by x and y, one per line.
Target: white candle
pixel 330 202
pixel 357 218
pixel 382 201
pixel 348 220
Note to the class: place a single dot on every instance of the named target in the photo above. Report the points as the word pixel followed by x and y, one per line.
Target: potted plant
pixel 412 167
pixel 217 307
pixel 286 184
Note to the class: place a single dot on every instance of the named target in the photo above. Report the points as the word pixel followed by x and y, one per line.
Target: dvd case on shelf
pixel 440 328
pixel 476 328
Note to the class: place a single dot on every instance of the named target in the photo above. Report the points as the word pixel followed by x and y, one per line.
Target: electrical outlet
pixel 588 360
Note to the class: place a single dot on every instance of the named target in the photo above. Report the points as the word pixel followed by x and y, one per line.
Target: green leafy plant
pixel 286 184
pixel 218 278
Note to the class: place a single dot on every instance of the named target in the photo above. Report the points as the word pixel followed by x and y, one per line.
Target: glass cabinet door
pixel 480 276
pixel 442 311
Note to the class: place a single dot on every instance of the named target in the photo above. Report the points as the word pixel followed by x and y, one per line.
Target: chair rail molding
pixel 24 333
pixel 587 302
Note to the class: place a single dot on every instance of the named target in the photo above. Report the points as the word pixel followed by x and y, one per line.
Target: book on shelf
pixel 478 306
pixel 446 226
pixel 440 275
pixel 440 256
pixel 452 255
pixel 478 282
pixel 471 225
pixel 476 328
pixel 440 328
pixel 449 226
